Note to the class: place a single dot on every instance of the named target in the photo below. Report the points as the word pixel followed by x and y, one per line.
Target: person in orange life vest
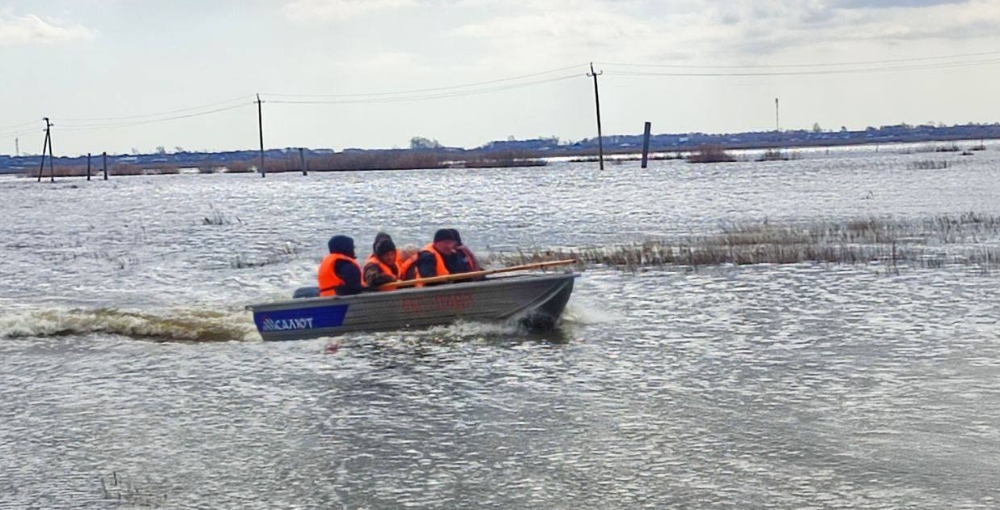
pixel 381 267
pixel 431 261
pixel 339 274
pixel 463 261
pixel 405 259
pixel 407 262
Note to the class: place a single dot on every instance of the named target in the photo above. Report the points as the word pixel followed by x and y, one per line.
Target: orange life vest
pixel 389 270
pixel 328 279
pixel 405 265
pixel 441 269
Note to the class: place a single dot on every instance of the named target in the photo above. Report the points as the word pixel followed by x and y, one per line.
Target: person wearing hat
pixel 462 261
pixel 382 266
pixel 431 261
pixel 339 274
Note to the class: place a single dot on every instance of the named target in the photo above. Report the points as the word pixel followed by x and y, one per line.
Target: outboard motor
pixel 306 292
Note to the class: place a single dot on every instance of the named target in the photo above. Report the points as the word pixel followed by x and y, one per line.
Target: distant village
pixel 542 147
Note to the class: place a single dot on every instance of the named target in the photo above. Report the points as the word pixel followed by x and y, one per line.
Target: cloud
pixel 561 28
pixel 31 29
pixel 891 4
pixel 339 10
pixel 841 22
pixel 723 32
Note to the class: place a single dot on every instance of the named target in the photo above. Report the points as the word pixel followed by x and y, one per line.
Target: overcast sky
pixel 108 72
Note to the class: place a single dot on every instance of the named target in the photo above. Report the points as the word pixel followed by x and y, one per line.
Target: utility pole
pixel 47 144
pixel 597 101
pixel 52 158
pixel 260 128
pixel 777 122
pixel 45 147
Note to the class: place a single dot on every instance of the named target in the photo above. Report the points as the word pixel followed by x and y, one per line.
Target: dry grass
pixel 280 255
pixel 118 169
pixel 928 164
pixel 236 167
pixel 125 492
pixel 710 154
pixel 508 159
pixel 930 243
pixel 218 218
pixel 778 155
pixel 629 157
pixel 384 160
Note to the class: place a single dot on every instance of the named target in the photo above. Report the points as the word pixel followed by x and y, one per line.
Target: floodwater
pixel 131 377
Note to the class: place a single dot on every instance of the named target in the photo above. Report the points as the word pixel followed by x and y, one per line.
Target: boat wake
pixel 198 325
pixel 175 325
pixel 464 330
pixel 587 313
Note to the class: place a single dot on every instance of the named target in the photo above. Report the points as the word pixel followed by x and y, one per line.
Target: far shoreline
pixel 424 159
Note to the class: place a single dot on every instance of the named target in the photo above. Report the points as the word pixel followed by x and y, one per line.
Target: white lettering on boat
pixel 287 324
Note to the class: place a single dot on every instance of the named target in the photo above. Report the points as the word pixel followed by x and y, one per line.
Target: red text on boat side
pixel 450 303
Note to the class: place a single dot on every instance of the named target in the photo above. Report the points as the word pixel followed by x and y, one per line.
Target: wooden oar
pixel 474 274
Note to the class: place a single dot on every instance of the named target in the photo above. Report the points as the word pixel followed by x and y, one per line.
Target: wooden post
pixel 645 144
pixel 88 167
pixel 48 136
pixel 45 146
pixel 260 128
pixel 777 119
pixel 597 101
pixel 302 159
pixel 105 156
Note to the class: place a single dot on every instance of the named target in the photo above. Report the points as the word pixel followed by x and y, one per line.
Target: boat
pixel 535 300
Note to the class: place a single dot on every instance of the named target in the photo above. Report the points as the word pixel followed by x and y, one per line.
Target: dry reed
pixel 967 239
pixel 711 154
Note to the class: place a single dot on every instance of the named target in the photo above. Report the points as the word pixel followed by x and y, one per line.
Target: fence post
pixel 645 144
pixel 105 156
pixel 88 167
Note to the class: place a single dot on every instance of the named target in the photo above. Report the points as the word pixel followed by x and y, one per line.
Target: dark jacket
pixel 351 276
pixel 457 262
pixel 343 269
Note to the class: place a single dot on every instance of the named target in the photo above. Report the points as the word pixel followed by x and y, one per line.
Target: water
pixel 126 357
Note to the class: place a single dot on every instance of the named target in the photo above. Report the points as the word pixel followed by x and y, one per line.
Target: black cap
pixel 384 246
pixel 444 234
pixel 458 237
pixel 378 237
pixel 341 244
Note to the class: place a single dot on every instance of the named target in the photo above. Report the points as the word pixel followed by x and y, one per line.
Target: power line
pixel 427 97
pixel 925 67
pixel 20 133
pixel 799 65
pixel 31 123
pixel 171 112
pixel 432 89
pixel 153 121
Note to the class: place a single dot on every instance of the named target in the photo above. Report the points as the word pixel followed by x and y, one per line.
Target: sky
pixel 124 75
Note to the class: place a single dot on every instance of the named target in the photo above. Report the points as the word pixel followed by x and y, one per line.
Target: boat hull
pixel 535 300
